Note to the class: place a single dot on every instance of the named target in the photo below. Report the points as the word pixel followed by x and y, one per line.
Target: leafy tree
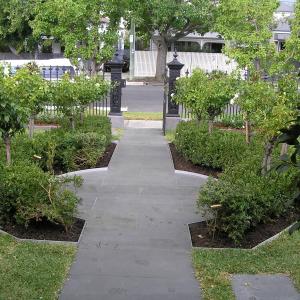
pixel 269 108
pixel 206 94
pixel 15 31
pixel 13 113
pixel 247 26
pixel 77 25
pixel 169 20
pixel 72 96
pixel 32 90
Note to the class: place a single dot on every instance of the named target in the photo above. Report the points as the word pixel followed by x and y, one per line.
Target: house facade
pixel 213 42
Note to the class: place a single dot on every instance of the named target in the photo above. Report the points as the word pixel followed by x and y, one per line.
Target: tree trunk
pixel 13 50
pixel 31 126
pixel 161 62
pixel 72 121
pixel 248 131
pixel 284 149
pixel 7 148
pixel 267 160
pixel 210 126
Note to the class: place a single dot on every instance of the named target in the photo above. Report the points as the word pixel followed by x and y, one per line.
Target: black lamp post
pixel 116 65
pixel 174 72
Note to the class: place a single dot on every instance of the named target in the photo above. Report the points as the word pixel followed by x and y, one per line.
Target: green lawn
pixel 32 271
pixel 214 267
pixel 147 116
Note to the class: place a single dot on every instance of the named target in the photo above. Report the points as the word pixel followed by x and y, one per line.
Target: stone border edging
pixel 67 243
pixel 188 173
pixel 267 241
pixel 80 172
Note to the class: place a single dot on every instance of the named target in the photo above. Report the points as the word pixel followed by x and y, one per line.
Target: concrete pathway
pixel 264 287
pixel 136 244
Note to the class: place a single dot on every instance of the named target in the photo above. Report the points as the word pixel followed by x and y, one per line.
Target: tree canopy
pixel 247 25
pixel 77 25
pixel 169 20
pixel 15 30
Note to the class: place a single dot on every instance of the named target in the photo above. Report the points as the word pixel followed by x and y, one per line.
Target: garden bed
pixel 46 230
pixel 104 161
pixel 180 163
pixel 201 238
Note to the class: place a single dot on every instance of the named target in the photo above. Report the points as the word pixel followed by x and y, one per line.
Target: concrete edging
pixel 191 174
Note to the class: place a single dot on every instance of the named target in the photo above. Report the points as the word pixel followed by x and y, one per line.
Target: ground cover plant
pixel 31 270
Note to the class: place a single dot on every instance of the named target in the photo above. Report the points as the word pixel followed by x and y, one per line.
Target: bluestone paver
pixel 136 243
pixel 264 287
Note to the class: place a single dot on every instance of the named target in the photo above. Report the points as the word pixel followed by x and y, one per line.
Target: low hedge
pixel 246 197
pixel 241 198
pixel 28 189
pixel 64 150
pixel 217 150
pixel 27 193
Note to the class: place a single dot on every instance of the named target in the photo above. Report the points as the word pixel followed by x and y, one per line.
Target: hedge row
pixel 246 198
pixel 28 188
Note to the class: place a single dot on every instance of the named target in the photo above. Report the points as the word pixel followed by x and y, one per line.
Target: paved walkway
pixel 136 243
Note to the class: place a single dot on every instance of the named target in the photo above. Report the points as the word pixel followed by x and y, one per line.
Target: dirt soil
pixel 46 230
pixel 201 238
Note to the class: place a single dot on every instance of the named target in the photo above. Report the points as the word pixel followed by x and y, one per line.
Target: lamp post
pixel 115 114
pixel 172 117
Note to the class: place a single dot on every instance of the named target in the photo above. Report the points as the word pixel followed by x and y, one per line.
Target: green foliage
pixel 71 97
pixel 292 48
pixel 246 197
pixel 62 150
pixel 247 25
pixel 27 193
pixel 15 31
pixel 270 109
pixel 217 150
pixel 205 95
pixel 76 23
pixel 170 20
pixel 70 151
pixel 233 121
pixel 31 88
pixel 13 113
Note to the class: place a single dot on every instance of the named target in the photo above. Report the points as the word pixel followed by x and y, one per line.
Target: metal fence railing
pixel 54 73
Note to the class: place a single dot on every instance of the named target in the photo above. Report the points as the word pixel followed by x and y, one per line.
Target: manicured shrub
pixel 64 150
pixel 217 150
pixel 242 198
pixel 27 193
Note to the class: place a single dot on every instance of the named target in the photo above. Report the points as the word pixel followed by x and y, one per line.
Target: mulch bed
pixel 103 161
pixel 201 237
pixel 180 163
pixel 46 230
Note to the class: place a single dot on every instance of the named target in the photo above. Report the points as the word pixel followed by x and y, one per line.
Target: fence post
pixel 115 115
pixel 173 117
